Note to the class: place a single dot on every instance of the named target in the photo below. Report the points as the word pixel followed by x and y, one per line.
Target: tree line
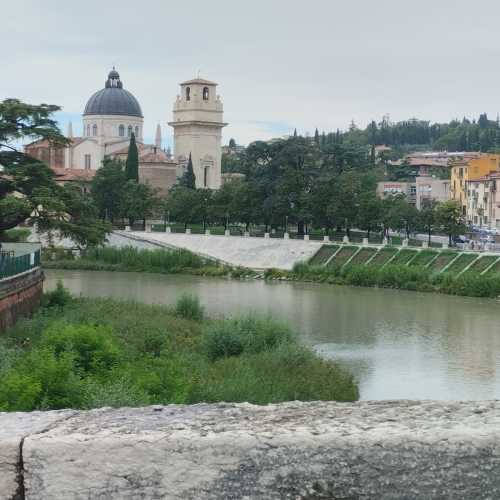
pixel 294 182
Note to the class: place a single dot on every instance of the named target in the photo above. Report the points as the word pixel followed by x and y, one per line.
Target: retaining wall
pixel 366 450
pixel 19 296
pixel 254 253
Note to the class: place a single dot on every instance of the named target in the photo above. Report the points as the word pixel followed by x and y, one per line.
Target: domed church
pixel 113 113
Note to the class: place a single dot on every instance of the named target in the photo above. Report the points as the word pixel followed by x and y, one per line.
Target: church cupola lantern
pixel 113 80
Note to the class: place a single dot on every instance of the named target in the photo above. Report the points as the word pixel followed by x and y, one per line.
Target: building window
pixel 94 130
pixel 188 93
pixel 136 131
pixel 121 131
pixel 205 177
pixel 129 130
pixel 88 130
pixel 87 162
pixel 205 93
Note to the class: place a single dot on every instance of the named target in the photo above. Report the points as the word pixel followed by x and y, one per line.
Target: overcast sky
pixel 280 64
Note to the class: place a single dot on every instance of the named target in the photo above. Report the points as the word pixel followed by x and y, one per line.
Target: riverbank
pixel 89 353
pixel 414 277
pixel 395 276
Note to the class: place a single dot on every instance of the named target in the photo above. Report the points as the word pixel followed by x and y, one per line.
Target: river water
pixel 397 344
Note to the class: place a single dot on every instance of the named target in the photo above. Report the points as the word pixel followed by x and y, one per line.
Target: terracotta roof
pixel 73 174
pixel 155 157
pixel 201 81
pixel 124 150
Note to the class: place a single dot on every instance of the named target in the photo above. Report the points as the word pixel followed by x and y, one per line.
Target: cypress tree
pixel 316 137
pixel 295 133
pixel 188 179
pixel 132 163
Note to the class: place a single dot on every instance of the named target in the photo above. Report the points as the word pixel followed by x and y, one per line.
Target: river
pixel 398 345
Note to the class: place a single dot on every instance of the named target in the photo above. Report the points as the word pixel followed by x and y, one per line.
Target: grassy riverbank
pixel 397 276
pixel 130 259
pixel 87 353
pixel 390 268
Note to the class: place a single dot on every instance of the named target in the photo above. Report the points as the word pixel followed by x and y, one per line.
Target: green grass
pixel 383 255
pixel 87 353
pixel 343 256
pixel 481 264
pixel 461 263
pixel 423 258
pixel 495 269
pixel 362 256
pixel 323 254
pixel 136 260
pixel 443 260
pixel 403 257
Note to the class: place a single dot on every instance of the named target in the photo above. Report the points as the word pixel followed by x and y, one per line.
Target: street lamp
pixel 227 221
pixel 286 223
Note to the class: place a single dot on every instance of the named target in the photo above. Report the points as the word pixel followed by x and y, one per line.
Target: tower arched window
pixel 94 130
pixel 88 130
pixel 205 93
pixel 136 131
pixel 121 131
pixel 188 93
pixel 129 130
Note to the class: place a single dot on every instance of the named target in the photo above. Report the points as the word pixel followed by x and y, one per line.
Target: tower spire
pixel 158 136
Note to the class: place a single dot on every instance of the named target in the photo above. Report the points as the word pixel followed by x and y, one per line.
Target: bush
pixel 189 307
pixel 41 381
pixel 59 297
pixel 250 335
pixel 93 348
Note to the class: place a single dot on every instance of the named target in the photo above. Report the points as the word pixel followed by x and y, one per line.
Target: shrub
pixel 249 334
pixel 189 307
pixel 40 381
pixel 59 297
pixel 92 348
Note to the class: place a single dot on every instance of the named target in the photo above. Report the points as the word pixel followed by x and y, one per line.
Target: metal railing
pixel 10 265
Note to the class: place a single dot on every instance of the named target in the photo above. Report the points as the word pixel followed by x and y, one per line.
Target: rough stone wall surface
pixel 321 450
pixel 256 253
pixel 19 296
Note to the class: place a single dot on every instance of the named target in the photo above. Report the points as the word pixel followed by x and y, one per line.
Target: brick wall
pixel 19 296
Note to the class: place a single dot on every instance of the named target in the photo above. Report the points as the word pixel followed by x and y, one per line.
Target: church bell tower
pixel 197 123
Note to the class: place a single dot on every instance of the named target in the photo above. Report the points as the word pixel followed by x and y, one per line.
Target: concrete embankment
pixel 254 253
pixel 373 450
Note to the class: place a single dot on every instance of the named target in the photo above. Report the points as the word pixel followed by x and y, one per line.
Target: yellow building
pixel 470 169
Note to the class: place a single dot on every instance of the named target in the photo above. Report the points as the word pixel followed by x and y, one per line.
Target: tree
pixel 400 215
pixel 427 218
pixel 108 188
pixel 81 224
pixel 183 205
pixel 188 179
pixel 316 137
pixel 28 190
pixel 369 216
pixel 232 143
pixel 132 163
pixel 449 218
pixel 138 201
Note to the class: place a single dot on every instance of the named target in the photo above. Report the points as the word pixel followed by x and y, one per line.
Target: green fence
pixel 10 266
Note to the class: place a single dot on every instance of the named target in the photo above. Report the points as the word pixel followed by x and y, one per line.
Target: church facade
pixel 113 114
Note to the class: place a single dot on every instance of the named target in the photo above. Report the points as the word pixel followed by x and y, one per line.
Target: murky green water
pixel 398 344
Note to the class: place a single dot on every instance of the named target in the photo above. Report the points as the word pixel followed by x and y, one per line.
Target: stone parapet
pixel 373 450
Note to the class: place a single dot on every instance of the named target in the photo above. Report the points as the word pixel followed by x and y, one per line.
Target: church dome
pixel 113 99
